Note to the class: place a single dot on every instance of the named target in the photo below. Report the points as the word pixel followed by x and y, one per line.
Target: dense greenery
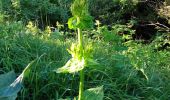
pixel 120 59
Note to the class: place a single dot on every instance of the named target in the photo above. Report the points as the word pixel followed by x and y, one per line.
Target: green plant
pixel 111 11
pixel 19 48
pixel 123 30
pixel 11 86
pixel 81 56
pixel 45 12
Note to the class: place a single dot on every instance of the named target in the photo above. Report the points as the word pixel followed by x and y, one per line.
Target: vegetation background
pixel 130 40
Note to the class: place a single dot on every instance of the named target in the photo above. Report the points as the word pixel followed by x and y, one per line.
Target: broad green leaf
pixel 9 98
pixel 10 92
pixel 72 66
pixel 94 93
pixel 86 22
pixel 9 86
pixel 7 79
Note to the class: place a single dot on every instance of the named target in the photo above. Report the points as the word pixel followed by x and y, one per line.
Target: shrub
pixel 109 11
pixel 44 11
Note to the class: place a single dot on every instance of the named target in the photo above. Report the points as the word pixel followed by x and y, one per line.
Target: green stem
pixel 80 41
pixel 81 85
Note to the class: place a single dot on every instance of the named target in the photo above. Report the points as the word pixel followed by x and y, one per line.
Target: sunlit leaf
pixel 73 22
pixel 79 8
pixel 75 51
pixel 94 93
pixel 142 74
pixel 82 18
pixel 72 66
pixel 84 22
pixel 26 71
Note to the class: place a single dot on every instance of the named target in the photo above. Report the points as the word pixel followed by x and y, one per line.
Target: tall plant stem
pixel 81 84
pixel 80 40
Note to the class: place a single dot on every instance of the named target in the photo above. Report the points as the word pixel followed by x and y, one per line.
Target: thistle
pixel 81 55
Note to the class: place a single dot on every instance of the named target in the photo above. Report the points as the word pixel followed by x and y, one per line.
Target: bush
pixel 45 12
pixel 109 11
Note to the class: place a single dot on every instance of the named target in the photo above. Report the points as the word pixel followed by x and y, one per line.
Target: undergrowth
pixel 128 69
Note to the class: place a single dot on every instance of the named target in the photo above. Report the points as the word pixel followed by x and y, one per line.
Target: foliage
pixel 162 42
pixel 109 11
pixel 10 89
pixel 94 93
pixel 125 68
pixel 74 64
pixel 83 22
pixel 120 70
pixel 81 56
pixel 48 12
pixel 43 11
pixel 81 18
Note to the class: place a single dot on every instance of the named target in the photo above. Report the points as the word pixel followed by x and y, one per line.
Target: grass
pixel 120 70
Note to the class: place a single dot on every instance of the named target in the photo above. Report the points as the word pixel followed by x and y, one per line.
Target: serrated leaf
pixel 72 66
pixel 75 51
pixel 94 93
